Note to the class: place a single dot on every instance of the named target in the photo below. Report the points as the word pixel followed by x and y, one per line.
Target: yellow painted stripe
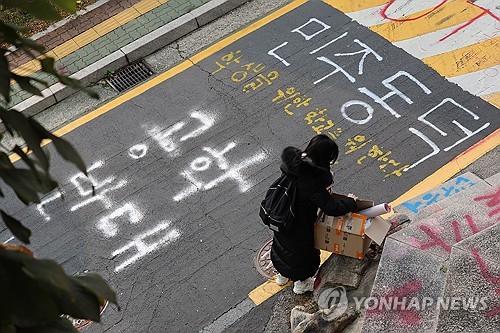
pixel 92 34
pixel 234 37
pixel 347 6
pixel 147 5
pixel 85 38
pixel 106 26
pixel 493 99
pixel 270 288
pixel 51 54
pixel 452 168
pixel 28 68
pixel 127 15
pixel 66 48
pixel 170 73
pixel 265 291
pixel 450 14
pixel 467 59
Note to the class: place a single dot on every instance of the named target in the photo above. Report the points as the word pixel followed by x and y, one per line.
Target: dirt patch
pixel 22 19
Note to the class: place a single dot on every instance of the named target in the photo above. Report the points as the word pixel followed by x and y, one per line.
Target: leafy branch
pixel 37 293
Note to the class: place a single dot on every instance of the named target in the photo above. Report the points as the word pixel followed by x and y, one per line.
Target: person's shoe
pixel 281 280
pixel 300 287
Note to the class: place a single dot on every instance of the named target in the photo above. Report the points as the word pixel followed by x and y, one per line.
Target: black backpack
pixel 277 208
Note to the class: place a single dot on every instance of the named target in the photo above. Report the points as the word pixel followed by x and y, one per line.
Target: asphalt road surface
pixel 180 168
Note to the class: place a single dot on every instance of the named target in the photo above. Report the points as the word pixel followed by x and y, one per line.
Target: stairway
pixel 449 253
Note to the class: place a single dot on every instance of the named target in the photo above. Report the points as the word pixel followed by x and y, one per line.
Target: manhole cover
pixel 82 323
pixel 129 76
pixel 263 261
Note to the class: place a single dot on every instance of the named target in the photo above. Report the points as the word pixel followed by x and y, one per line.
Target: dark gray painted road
pixel 207 126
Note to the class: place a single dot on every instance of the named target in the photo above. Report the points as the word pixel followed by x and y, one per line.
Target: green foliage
pixel 36 293
pixel 109 74
pixel 41 9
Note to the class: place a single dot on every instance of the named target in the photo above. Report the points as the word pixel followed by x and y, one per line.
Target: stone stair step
pixel 450 249
pixel 428 200
pixel 461 219
pixel 467 195
pixel 486 243
pixel 406 271
pixel 471 277
pixel 493 180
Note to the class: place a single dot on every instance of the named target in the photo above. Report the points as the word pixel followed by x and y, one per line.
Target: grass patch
pixel 33 26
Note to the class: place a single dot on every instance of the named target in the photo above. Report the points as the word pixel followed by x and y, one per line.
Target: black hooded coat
pixel 293 254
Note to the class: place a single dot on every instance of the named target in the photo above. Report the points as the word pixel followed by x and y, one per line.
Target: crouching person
pixel 293 253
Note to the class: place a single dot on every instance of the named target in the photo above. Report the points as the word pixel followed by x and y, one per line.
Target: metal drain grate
pixel 129 76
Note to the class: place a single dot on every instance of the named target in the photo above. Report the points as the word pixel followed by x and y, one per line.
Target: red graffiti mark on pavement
pixel 456 230
pixel 384 14
pixel 472 225
pixel 493 313
pixel 411 288
pixel 485 11
pixel 484 270
pixel 408 289
pixel 488 277
pixel 438 241
pixel 466 24
pixel 494 200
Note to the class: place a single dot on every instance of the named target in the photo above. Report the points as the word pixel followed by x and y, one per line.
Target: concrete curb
pixel 160 37
pixel 134 51
pixel 215 9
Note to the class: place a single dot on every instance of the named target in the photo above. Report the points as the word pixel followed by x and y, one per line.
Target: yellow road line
pixel 234 37
pixel 354 6
pixel 467 59
pixel 452 168
pixel 493 99
pixel 170 73
pixel 450 14
pixel 270 288
pixel 265 291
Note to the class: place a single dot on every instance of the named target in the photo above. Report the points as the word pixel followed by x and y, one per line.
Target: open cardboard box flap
pixel 377 230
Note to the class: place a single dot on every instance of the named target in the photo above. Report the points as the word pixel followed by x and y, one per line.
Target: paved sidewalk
pixel 79 44
pixel 117 32
pixel 70 27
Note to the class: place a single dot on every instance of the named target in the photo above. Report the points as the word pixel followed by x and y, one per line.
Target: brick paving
pixel 111 38
pixel 74 27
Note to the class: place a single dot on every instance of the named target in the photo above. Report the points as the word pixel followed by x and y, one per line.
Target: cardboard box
pixel 349 235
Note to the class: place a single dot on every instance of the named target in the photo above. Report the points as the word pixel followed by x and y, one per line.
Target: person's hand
pixel 350 195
